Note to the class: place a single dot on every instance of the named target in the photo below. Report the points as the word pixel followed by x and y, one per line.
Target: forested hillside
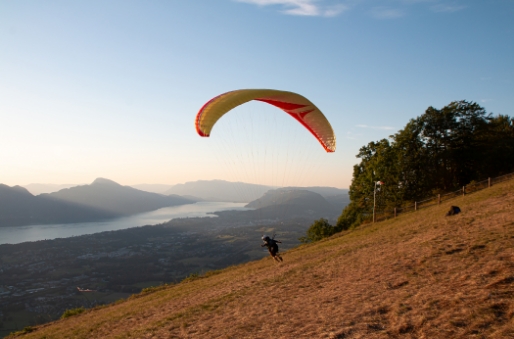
pixel 437 152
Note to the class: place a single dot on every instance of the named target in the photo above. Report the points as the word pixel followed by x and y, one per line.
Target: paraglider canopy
pixel 296 105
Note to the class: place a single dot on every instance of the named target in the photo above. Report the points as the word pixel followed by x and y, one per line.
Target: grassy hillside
pixel 422 275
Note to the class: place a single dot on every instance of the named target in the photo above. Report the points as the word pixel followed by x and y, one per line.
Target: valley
pixel 40 280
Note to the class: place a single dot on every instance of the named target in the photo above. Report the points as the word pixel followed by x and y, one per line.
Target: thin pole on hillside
pixel 374 200
pixel 374 197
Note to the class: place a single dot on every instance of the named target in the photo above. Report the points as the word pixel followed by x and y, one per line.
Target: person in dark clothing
pixel 272 246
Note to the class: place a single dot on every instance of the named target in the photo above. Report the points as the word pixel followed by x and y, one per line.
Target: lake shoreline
pixel 19 234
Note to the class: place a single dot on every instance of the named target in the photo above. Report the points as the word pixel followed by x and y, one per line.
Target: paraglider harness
pixel 272 246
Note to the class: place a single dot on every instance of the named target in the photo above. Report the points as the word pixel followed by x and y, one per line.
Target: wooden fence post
pixel 395 212
pixel 488 182
pixel 439 199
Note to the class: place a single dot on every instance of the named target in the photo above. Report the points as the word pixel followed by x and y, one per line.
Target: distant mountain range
pixel 325 191
pixel 215 190
pixel 294 201
pixel 37 189
pixel 19 207
pixel 220 190
pixel 103 199
pixel 286 203
pixel 338 197
pixel 112 197
pixel 154 188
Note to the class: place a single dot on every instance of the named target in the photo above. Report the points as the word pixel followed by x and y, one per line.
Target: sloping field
pixel 422 275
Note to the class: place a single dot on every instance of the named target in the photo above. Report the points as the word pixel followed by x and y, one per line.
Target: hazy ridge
pixel 102 199
pixel 289 203
pixel 19 207
pixel 37 189
pixel 106 199
pixel 220 190
pixel 113 197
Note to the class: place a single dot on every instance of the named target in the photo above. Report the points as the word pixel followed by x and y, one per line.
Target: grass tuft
pixel 72 312
pixel 25 330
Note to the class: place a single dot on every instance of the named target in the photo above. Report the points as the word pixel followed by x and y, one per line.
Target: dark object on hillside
pixel 453 210
pixel 272 246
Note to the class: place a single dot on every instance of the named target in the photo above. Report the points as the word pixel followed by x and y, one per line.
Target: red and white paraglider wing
pixel 299 107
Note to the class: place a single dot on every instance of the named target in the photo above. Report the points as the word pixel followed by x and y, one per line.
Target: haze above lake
pixel 19 234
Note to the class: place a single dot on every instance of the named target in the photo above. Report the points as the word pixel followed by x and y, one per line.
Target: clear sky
pixel 111 88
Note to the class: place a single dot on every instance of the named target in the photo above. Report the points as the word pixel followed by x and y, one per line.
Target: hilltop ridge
pixel 19 207
pixel 421 275
pixel 220 190
pixel 101 200
pixel 292 202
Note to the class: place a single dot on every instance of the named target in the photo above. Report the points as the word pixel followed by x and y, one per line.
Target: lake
pixel 18 234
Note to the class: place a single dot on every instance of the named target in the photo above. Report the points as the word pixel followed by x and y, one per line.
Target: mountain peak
pixel 103 181
pixel 18 189
pixel 283 197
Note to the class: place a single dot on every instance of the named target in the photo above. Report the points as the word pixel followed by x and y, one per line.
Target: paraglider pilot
pixel 272 246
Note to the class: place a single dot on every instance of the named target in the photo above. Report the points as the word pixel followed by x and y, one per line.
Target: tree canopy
pixel 318 230
pixel 441 150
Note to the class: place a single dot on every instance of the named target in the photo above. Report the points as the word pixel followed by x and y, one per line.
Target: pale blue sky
pixel 111 88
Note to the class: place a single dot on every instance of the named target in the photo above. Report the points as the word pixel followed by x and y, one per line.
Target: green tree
pixel 451 138
pixel 379 162
pixel 352 216
pixel 442 150
pixel 498 147
pixel 320 229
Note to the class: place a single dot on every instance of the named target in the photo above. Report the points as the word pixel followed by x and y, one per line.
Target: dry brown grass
pixel 422 275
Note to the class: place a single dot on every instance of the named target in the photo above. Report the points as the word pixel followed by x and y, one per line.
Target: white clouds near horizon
pixel 302 7
pixel 388 128
pixel 392 9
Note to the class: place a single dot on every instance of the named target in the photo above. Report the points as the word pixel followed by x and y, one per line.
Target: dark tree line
pixel 442 150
